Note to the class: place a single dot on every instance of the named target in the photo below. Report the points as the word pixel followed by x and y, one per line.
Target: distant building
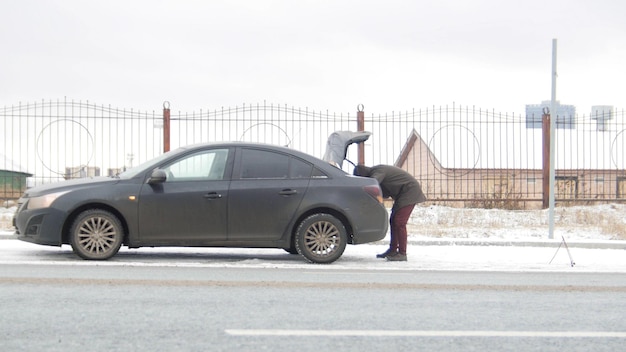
pixel 12 184
pixel 81 172
pixel 602 114
pixel 512 188
pixel 13 179
pixel 565 115
pixel 115 171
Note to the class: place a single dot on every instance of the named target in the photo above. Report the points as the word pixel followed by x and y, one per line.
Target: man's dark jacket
pixel 395 183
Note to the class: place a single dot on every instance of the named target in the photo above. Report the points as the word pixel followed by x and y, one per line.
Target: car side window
pixel 299 169
pixel 204 165
pixel 317 173
pixel 263 164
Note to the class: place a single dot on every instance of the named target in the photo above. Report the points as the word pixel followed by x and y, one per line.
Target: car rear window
pixel 264 164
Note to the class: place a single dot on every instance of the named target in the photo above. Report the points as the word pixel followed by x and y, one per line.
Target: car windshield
pixel 134 171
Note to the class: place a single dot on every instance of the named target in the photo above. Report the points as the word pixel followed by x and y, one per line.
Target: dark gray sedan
pixel 210 195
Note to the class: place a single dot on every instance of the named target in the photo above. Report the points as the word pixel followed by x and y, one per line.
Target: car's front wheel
pixel 321 238
pixel 96 234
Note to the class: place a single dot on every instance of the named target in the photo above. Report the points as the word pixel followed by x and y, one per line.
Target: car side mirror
pixel 157 176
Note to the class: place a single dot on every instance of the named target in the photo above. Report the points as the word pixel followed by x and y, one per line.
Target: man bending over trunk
pixel 405 191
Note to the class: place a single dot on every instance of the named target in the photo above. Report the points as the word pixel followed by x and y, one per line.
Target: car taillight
pixel 375 192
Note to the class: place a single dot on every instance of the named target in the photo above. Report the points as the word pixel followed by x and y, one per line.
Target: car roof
pixel 326 166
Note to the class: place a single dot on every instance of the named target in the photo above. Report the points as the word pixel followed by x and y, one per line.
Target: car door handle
pixel 212 195
pixel 287 192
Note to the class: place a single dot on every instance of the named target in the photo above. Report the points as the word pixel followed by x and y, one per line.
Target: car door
pixel 191 206
pixel 265 193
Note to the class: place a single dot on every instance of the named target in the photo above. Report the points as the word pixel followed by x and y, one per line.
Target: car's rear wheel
pixel 96 234
pixel 321 238
pixel 291 250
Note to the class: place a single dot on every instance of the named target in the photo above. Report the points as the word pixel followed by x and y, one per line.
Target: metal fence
pixel 462 155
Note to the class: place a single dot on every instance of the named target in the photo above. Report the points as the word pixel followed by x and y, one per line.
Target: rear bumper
pixel 373 228
pixel 368 236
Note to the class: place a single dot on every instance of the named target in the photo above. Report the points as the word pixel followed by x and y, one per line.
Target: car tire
pixel 291 250
pixel 321 238
pixel 96 235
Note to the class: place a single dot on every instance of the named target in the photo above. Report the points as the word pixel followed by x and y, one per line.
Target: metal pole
pixel 545 130
pixel 553 118
pixel 360 126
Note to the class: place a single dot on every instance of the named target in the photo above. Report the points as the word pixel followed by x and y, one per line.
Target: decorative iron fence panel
pixel 461 155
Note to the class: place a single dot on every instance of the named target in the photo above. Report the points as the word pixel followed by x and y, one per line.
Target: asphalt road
pixel 165 304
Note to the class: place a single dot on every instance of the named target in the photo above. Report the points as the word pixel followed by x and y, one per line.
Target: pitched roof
pixel 413 140
pixel 7 164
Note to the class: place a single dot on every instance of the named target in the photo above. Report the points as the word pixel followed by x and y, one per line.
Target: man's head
pixel 362 170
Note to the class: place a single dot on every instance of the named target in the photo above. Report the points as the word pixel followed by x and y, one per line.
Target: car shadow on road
pixel 162 255
pixel 207 255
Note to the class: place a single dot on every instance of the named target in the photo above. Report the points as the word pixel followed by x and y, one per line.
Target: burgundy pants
pixel 398 220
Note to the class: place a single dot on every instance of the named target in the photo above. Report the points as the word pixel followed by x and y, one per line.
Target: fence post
pixel 545 129
pixel 166 126
pixel 360 127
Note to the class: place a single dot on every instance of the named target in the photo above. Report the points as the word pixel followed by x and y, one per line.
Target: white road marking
pixel 424 333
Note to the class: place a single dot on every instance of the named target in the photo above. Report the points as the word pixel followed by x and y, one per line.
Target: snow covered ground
pixel 440 238
pixel 599 222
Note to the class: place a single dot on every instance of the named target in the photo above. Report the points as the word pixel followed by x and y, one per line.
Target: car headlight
pixel 43 201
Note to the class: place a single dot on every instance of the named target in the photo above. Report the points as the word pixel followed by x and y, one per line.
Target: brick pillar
pixel 360 126
pixel 166 127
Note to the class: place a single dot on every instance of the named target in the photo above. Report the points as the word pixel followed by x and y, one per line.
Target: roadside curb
pixel 592 244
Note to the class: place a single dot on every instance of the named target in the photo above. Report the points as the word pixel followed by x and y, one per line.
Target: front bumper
pixel 40 226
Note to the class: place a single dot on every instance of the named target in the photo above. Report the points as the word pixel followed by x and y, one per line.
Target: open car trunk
pixel 338 143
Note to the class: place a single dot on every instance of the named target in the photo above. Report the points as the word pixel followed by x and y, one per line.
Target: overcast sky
pixel 391 55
